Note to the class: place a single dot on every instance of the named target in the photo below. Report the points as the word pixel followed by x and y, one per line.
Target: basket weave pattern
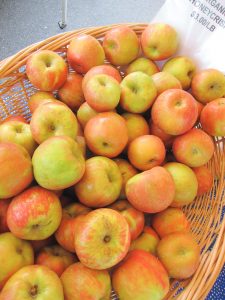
pixel 204 214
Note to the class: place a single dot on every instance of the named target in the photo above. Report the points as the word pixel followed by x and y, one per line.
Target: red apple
pixel 146 152
pixel 213 117
pixel 71 92
pixel 102 92
pixel 121 45
pixel 4 204
pixel 194 148
pixel 66 231
pixel 53 119
pixel 85 113
pixel 165 81
pixel 138 92
pixel 32 282
pixel 186 184
pixel 169 221
pixel 15 254
pixel 174 111
pixel 134 218
pixel 46 70
pixel 159 41
pixel 140 276
pixel 151 191
pixel 127 171
pixel 208 85
pixel 181 67
pixel 14 118
pixel 180 254
pixel 106 230
pixel 136 125
pixel 39 214
pixel 147 241
pixel 144 65
pixel 19 133
pixel 80 282
pixel 205 179
pixel 55 258
pixel 85 52
pixel 58 163
pixel 16 169
pixel 106 134
pixel 104 69
pixel 165 137
pixel 101 183
pixel 40 98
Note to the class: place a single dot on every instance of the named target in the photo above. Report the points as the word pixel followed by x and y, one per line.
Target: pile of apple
pixel 122 144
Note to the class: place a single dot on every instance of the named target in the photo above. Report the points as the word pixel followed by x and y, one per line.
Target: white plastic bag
pixel 201 28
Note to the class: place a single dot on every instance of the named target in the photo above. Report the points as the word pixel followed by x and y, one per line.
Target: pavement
pixel 24 22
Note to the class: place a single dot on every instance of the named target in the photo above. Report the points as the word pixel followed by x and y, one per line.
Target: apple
pixel 208 85
pixel 140 276
pixel 40 244
pixel 174 111
pixel 194 148
pixel 15 254
pixel 19 133
pixel 213 117
pixel 146 152
pixel 71 92
pixel 4 204
pixel 121 45
pixel 101 183
pixel 85 52
pixel 55 258
pixel 159 41
pixel 134 218
pixel 127 171
pixel 39 216
pixel 103 69
pixel 102 92
pixel 82 144
pixel 186 183
pixel 32 282
pixel 138 92
pixel 136 125
pixel 200 108
pixel 165 81
pixel 181 67
pixel 106 230
pixel 66 230
pixel 16 169
pixel 169 221
pixel 14 118
pixel 80 282
pixel 180 254
pixel 205 179
pixel 147 241
pixel 144 65
pixel 85 113
pixel 39 98
pixel 53 119
pixel 151 191
pixel 106 134
pixel 58 163
pixel 165 137
pixel 46 70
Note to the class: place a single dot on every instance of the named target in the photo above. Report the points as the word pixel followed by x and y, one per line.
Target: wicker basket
pixel 205 214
